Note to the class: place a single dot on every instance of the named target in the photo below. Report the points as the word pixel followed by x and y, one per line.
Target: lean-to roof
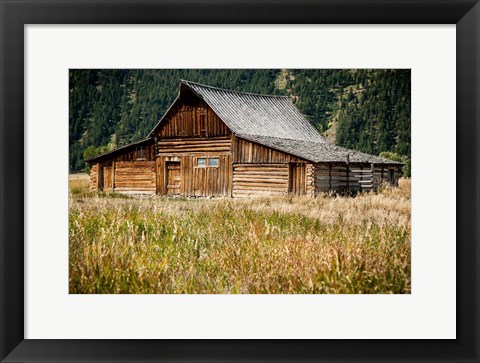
pixel 117 150
pixel 317 152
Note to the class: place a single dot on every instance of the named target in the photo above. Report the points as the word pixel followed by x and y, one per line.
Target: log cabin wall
pixel 356 177
pixel 194 145
pixel 135 177
pixel 123 176
pixel 260 170
pixel 337 177
pixel 260 179
pixel 310 180
pixel 101 176
pixel 193 151
pixel 128 169
pixel 94 177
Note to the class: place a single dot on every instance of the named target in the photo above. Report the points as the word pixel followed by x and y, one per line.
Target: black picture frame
pixel 15 14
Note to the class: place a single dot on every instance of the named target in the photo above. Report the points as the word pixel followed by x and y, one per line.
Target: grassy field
pixel 266 245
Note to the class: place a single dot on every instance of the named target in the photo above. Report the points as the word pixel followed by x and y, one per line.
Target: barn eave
pixel 116 151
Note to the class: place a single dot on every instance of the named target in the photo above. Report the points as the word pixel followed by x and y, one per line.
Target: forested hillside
pixel 367 110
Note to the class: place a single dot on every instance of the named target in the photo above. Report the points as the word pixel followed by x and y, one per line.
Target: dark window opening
pixel 140 153
pixel 203 126
pixel 392 176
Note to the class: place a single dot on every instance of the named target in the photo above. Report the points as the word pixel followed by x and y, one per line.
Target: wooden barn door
pixel 100 177
pixel 107 179
pixel 173 177
pixel 297 184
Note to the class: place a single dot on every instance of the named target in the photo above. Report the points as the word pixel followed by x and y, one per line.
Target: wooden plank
pixel 260 186
pixel 135 176
pixel 189 121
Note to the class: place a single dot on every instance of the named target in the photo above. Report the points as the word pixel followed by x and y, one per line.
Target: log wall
pixel 260 179
pixel 94 177
pixel 188 146
pixel 354 177
pixel 135 176
pixel 310 180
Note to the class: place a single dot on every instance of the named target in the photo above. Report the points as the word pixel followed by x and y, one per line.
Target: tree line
pixel 366 110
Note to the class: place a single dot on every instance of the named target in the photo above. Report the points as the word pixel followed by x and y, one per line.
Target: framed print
pixel 51 310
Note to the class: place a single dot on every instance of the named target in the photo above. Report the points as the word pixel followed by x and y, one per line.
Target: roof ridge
pixel 186 82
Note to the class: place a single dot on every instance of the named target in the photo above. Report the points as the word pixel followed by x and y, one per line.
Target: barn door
pixel 173 177
pixel 100 177
pixel 107 179
pixel 297 182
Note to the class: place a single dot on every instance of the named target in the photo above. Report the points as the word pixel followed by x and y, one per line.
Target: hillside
pixel 367 110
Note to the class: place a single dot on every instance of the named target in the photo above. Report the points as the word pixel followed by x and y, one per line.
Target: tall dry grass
pixel 264 245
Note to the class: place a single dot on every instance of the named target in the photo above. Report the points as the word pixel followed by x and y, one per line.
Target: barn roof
pixel 317 152
pixel 119 149
pixel 272 121
pixel 255 114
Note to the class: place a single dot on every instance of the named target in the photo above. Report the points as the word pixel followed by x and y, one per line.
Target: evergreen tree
pixel 113 107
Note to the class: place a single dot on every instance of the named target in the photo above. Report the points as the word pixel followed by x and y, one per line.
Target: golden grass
pixel 265 245
pixel 78 184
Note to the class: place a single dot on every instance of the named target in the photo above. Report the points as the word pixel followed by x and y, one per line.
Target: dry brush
pixel 275 245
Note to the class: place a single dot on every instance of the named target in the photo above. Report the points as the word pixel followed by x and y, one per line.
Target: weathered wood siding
pixel 130 154
pixel 107 178
pixel 340 178
pixel 261 170
pixel 191 130
pixel 135 176
pixel 260 179
pixel 190 146
pixel 355 177
pixel 196 180
pixel 199 181
pixel 249 152
pixel 173 177
pixel 297 179
pixel 191 118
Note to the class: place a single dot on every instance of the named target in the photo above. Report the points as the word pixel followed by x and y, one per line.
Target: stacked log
pixel 135 176
pixel 260 179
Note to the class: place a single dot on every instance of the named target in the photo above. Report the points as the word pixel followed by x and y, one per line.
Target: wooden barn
pixel 217 142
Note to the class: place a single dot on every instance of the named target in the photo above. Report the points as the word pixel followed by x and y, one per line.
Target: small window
pixel 140 153
pixel 202 162
pixel 213 162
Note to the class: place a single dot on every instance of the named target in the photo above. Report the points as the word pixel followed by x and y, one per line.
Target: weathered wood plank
pixel 191 118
